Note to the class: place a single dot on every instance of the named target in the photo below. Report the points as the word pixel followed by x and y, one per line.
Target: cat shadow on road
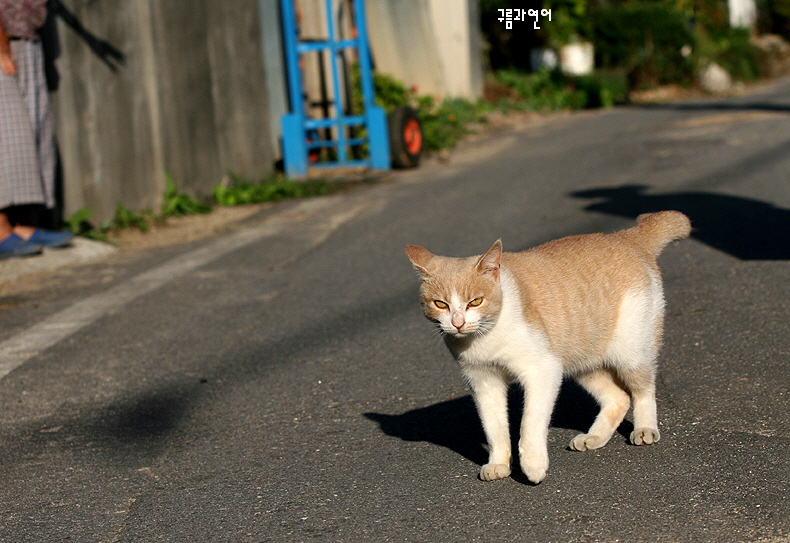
pixel 745 228
pixel 454 424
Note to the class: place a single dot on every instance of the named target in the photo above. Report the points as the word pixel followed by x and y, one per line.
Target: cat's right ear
pixel 490 261
pixel 419 257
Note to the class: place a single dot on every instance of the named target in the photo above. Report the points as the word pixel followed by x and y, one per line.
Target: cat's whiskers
pixel 483 327
pixel 438 331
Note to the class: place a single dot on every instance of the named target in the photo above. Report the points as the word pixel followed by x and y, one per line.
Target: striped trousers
pixel 27 131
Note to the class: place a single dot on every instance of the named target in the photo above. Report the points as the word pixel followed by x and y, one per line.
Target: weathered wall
pixel 433 44
pixel 189 99
pixel 456 25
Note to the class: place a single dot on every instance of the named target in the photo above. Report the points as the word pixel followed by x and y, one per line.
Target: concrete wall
pixel 189 99
pixel 434 45
pixel 275 69
pixel 456 24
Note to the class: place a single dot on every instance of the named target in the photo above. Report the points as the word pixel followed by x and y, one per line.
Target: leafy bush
pixel 603 88
pixel 175 204
pixel 732 49
pixel 569 20
pixel 646 40
pixel 543 90
pixel 389 92
pixel 444 124
pixel 125 218
pixel 551 90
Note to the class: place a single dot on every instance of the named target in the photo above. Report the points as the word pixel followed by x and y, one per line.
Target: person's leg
pixel 5 226
pixel 11 244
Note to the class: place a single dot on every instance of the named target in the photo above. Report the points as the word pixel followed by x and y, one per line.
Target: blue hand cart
pixel 344 134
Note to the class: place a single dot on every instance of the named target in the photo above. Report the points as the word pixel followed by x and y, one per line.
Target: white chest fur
pixel 510 340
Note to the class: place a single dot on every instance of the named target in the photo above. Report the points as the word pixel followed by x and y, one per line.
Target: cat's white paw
pixel 535 467
pixel 494 472
pixel 587 442
pixel 645 436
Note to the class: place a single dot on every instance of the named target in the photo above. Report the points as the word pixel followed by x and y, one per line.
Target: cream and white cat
pixel 589 306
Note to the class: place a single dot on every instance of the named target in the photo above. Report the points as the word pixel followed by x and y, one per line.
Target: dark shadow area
pixel 128 431
pixel 454 424
pixel 720 106
pixel 144 419
pixel 745 228
pixel 50 41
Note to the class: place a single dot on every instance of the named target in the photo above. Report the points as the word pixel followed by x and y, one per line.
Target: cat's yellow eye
pixel 440 304
pixel 476 302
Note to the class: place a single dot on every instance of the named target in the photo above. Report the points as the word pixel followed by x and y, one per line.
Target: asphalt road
pixel 279 383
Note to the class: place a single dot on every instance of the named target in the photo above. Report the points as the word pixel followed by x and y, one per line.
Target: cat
pixel 588 306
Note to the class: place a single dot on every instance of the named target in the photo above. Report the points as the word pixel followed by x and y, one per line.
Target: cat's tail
pixel 654 231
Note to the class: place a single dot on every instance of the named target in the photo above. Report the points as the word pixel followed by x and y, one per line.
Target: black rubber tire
pixel 405 134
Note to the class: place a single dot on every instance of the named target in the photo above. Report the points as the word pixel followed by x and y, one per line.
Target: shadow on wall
pixel 742 227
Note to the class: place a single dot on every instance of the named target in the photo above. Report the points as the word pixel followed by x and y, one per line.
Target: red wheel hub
pixel 412 136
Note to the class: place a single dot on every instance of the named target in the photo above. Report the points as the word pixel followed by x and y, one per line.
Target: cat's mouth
pixel 465 331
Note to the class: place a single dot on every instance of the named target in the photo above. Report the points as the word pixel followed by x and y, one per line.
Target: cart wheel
pixel 405 134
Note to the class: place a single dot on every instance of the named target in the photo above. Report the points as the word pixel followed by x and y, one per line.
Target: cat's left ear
pixel 490 261
pixel 419 257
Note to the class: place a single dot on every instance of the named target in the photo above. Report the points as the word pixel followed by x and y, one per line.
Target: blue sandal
pixel 14 246
pixel 51 238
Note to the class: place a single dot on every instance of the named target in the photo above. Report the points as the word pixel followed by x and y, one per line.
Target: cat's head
pixel 461 295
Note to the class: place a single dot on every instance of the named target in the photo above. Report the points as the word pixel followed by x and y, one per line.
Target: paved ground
pixel 278 382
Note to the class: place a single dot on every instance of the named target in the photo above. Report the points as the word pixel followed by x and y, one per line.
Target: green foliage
pixel 544 90
pixel 124 218
pixel 444 124
pixel 388 91
pixel 603 88
pixel 710 15
pixel 79 224
pixel 175 204
pixel 391 93
pixel 732 49
pixel 275 188
pixel 551 90
pixel 570 19
pixel 645 39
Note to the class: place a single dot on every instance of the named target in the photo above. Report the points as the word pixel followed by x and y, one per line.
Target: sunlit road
pixel 279 383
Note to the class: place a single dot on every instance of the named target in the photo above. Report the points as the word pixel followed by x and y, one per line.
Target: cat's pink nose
pixel 458 321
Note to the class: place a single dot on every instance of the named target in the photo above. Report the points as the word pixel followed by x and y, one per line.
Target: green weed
pixel 242 191
pixel 175 204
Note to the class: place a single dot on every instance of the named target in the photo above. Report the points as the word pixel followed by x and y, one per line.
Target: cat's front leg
pixel 541 387
pixel 489 388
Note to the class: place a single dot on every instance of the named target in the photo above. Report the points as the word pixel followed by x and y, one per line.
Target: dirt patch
pixel 184 229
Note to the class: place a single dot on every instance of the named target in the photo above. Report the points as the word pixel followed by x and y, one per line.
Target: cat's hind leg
pixel 614 401
pixel 641 383
pixel 634 351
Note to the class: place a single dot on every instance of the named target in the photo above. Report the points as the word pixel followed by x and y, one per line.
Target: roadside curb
pixel 81 251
